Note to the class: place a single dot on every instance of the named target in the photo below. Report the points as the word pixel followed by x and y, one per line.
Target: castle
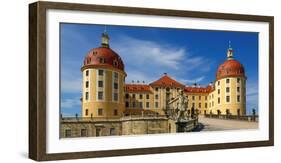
pixel 107 100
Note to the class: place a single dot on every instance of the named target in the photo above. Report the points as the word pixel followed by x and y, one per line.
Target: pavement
pixel 213 124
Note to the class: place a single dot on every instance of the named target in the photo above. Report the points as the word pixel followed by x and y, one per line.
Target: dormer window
pixel 115 63
pixel 88 60
pixel 102 60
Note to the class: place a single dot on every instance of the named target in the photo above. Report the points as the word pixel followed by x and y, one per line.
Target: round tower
pixel 103 82
pixel 230 87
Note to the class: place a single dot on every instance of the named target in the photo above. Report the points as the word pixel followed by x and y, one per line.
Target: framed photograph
pixel 113 81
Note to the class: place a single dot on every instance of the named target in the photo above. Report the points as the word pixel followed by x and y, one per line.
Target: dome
pixel 230 68
pixel 104 56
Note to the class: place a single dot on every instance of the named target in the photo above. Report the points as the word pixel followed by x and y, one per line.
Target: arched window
pixel 86 112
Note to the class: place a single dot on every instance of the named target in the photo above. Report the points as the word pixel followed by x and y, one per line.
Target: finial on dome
pixel 229 51
pixel 105 38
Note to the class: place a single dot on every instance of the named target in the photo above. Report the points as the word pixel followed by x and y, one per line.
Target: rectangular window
pixel 219 91
pixel 127 104
pixel 100 111
pixel 100 95
pixel 101 72
pixel 98 132
pixel 127 96
pixel 199 97
pixel 112 131
pixel 87 84
pixel 193 105
pixel 227 89
pixel 193 98
pixel 156 89
pixel 140 105
pixel 206 97
pixel 134 96
pixel 115 75
pixel 147 104
pixel 140 96
pixel 219 100
pixel 238 80
pixel 115 96
pixel 86 112
pixel 100 83
pixel 156 97
pixel 238 89
pixel 147 96
pixel 134 104
pixel 212 103
pixel 115 112
pixel 238 98
pixel 115 85
pixel 199 104
pixel 83 132
pixel 218 83
pixel 212 96
pixel 156 104
pixel 87 73
pixel 68 133
pixel 227 99
pixel 87 95
pixel 206 105
pixel 227 80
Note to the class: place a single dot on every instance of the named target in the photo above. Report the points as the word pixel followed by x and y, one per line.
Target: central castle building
pixel 107 100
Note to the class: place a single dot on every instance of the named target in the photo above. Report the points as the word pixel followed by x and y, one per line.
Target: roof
pixel 104 56
pixel 194 89
pixel 166 81
pixel 230 68
pixel 137 88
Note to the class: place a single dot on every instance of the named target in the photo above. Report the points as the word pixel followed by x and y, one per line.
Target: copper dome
pixel 230 68
pixel 104 56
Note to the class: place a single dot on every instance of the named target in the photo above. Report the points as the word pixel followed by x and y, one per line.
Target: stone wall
pixel 128 125
pixel 124 126
pixel 93 128
pixel 137 126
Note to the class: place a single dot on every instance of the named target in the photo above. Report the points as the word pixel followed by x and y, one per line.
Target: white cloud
pixel 147 60
pixel 71 85
pixel 153 54
pixel 70 102
pixel 191 81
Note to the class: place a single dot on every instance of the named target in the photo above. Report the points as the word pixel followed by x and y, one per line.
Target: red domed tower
pixel 103 82
pixel 230 87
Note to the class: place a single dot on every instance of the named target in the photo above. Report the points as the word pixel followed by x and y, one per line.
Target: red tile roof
pixel 166 81
pixel 106 54
pixel 230 68
pixel 195 89
pixel 137 88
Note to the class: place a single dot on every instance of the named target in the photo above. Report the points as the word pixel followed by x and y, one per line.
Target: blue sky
pixel 186 55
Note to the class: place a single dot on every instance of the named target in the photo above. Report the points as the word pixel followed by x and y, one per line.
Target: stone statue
pixel 181 110
pixel 182 106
